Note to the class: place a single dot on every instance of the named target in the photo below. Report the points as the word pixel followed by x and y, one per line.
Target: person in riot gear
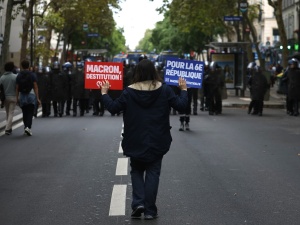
pixel 215 83
pixel 258 86
pixel 203 90
pixel 44 85
pixel 67 69
pixel 284 88
pixel 142 57
pixel 293 78
pixel 59 89
pixel 79 93
pixel 130 72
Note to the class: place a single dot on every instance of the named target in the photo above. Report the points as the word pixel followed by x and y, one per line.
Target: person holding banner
pixel 147 137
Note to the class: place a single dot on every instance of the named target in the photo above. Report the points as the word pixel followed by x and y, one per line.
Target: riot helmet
pixel 67 65
pixel 55 65
pixel 294 62
pixel 142 57
pixel 126 63
pixel 214 66
pixel 253 67
pixel 79 65
pixel 47 69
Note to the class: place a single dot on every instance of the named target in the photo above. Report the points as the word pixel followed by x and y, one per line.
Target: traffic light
pixel 296 47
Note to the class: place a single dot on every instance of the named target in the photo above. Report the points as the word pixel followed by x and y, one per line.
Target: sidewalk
pixel 275 101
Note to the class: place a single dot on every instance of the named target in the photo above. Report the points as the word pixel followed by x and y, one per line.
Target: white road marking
pixel 122 167
pixel 118 200
pixel 17 125
pixel 120 148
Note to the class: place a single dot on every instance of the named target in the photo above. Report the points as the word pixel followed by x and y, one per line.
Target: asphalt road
pixel 230 169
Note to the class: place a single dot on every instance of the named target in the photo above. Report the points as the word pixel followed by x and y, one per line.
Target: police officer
pixel 293 77
pixel 258 86
pixel 68 70
pixel 79 93
pixel 44 85
pixel 130 72
pixel 215 83
pixel 59 89
pixel 203 90
pixel 284 89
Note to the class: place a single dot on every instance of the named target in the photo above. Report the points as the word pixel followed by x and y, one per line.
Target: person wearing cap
pixel 293 79
pixel 8 82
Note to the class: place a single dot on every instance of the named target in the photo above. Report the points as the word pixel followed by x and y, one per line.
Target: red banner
pixel 98 72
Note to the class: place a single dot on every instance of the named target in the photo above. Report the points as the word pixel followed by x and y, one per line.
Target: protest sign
pixel 191 71
pixel 98 72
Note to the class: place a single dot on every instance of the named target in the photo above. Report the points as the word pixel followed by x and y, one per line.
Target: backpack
pixel 25 83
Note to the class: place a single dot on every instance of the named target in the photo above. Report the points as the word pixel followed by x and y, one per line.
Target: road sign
pixel 233 18
pixel 243 6
pixel 85 26
pixel 93 35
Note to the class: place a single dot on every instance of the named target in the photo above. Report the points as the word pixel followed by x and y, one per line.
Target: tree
pixel 277 5
pixel 66 18
pixel 7 29
pixel 166 36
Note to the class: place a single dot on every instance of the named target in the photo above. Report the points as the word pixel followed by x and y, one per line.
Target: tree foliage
pixel 66 19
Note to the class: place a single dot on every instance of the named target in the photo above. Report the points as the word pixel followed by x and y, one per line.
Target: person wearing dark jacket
pixel 258 86
pixel 284 90
pixel 44 85
pixel 68 70
pixel 27 95
pixel 147 137
pixel 214 83
pixel 59 89
pixel 293 77
pixel 204 90
pixel 79 93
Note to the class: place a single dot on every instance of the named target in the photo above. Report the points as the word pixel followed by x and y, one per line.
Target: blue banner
pixel 191 71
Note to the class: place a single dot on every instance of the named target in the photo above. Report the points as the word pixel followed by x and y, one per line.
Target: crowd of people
pixel 61 91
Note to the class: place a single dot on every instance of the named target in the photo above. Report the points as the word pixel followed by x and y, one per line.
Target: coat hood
pixel 145 93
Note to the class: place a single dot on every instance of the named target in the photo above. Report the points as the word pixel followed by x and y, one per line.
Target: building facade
pixel 16 30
